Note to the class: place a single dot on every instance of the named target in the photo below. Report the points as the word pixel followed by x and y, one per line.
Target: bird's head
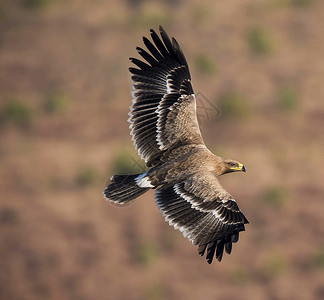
pixel 231 165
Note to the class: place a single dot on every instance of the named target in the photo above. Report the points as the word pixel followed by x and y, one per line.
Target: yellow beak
pixel 239 168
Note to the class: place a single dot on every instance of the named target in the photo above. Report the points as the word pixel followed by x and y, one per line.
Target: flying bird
pixel 183 172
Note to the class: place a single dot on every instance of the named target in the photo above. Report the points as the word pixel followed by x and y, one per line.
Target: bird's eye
pixel 232 164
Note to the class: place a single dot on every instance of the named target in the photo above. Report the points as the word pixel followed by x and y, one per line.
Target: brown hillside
pixel 64 95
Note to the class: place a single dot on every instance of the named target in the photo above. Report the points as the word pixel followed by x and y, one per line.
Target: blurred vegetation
pixel 145 253
pixel 318 258
pixel 260 41
pixel 288 98
pixel 86 175
pixel 275 265
pixel 292 3
pixel 55 183
pixel 17 112
pixel 8 216
pixel 150 14
pixel 125 163
pixel 275 196
pixel 56 102
pixel 202 13
pixel 234 106
pixel 154 292
pixel 204 64
pixel 2 12
pixel 239 276
pixel 35 4
pixel 301 3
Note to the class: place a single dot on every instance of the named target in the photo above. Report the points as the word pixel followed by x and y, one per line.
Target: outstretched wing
pixel 204 212
pixel 163 113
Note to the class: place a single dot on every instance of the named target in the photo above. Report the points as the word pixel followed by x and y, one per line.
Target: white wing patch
pixel 143 181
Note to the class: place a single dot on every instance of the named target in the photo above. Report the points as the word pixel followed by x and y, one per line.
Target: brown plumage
pixel 184 172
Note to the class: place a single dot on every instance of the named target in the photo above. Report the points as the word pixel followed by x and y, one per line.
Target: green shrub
pixel 260 41
pixel 275 196
pixel 301 3
pixel 35 4
pixel 318 259
pixel 275 266
pixel 17 112
pixel 234 106
pixel 204 64
pixel 125 163
pixel 288 98
pixel 145 253
pixel 57 102
pixel 86 176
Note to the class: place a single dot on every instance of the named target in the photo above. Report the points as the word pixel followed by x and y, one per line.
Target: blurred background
pixel 258 70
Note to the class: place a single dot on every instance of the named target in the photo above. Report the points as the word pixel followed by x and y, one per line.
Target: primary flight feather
pixel 183 171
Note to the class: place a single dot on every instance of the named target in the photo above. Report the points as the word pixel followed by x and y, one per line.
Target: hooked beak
pixel 239 168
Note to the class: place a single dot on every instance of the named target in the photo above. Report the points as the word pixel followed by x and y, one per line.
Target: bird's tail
pixel 125 188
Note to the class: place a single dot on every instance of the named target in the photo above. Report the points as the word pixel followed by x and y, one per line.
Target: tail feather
pixel 123 189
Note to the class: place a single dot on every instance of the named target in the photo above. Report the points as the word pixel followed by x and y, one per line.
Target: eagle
pixel 182 170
